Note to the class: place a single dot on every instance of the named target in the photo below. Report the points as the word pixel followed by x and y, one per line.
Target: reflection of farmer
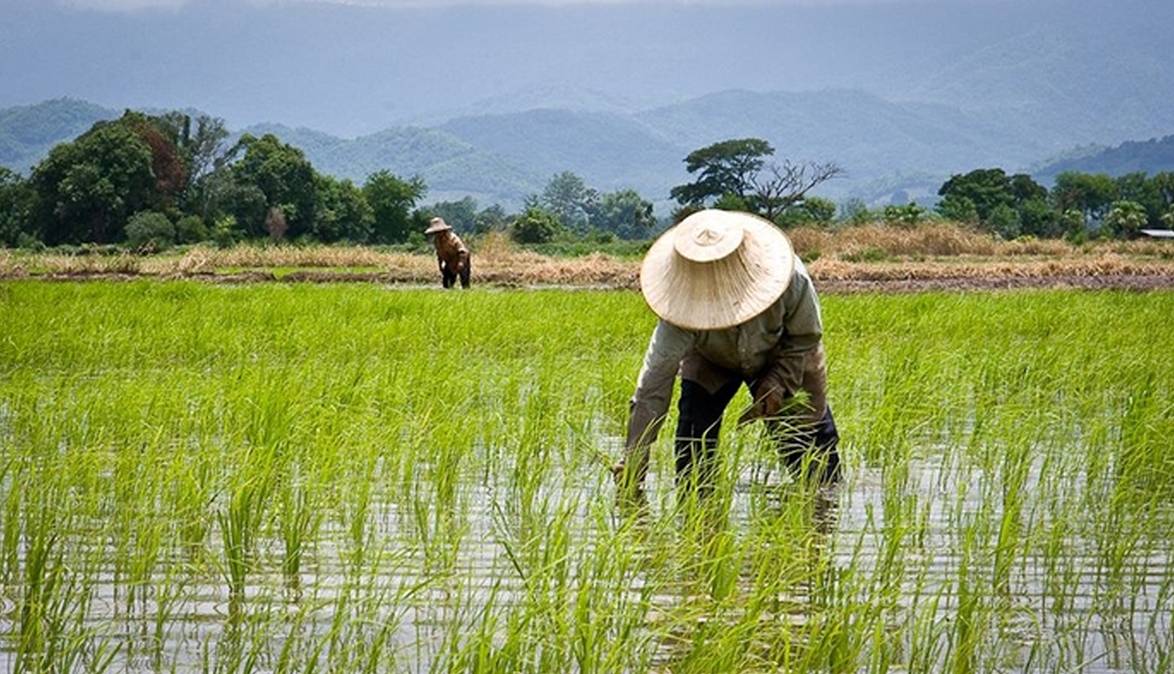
pixel 736 306
pixel 451 253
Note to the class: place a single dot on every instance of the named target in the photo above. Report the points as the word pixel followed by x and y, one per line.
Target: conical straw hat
pixel 437 225
pixel 716 269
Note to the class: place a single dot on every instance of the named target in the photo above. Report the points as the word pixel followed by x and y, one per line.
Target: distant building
pixel 1159 233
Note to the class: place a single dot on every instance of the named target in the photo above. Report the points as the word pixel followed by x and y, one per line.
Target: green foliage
pixel 855 211
pixel 150 231
pixel 626 214
pixel 570 200
pixel 490 219
pixel 17 200
pixel 190 229
pixel 460 214
pixel 86 189
pixel 283 175
pixel 1125 219
pixel 909 215
pixel 392 200
pixel 1090 194
pixel 1004 221
pixel 985 196
pixel 958 208
pixel 727 167
pixel 342 212
pixel 226 231
pixel 810 211
pixel 535 225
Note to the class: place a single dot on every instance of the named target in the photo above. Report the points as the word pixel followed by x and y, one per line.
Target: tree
pixel 787 185
pixel 190 229
pixel 1140 189
pixel 1091 194
pixel 812 210
pixel 1004 221
pixel 1125 219
pixel 958 208
pixel 149 231
pixel 727 167
pixel 1038 218
pixel 535 225
pixel 16 207
pixel 343 212
pixel 986 189
pixel 392 200
pixel 491 218
pixel 626 214
pixel 908 215
pixel 461 215
pixel 283 174
pixel 570 200
pixel 87 188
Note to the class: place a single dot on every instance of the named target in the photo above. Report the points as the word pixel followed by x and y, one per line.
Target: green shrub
pixel 149 231
pixel 535 226
pixel 191 229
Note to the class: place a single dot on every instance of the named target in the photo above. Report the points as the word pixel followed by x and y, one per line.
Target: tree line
pixel 735 174
pixel 151 181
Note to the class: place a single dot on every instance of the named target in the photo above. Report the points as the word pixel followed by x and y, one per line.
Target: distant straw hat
pixel 437 225
pixel 716 269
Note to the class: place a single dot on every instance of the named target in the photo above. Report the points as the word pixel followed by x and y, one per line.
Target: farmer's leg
pixel 698 426
pixel 810 434
pixel 465 271
pixel 447 278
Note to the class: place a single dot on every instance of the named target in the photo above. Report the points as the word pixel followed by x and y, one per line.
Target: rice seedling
pixel 308 477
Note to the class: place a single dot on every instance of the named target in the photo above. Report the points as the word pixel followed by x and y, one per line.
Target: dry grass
pixel 865 253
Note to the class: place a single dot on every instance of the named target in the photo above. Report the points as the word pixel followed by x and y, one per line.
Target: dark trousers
pixel 699 425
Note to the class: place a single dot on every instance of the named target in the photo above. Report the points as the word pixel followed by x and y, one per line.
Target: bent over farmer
pixel 451 253
pixel 736 306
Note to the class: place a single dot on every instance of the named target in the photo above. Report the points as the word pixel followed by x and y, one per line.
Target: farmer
pixel 451 253
pixel 736 306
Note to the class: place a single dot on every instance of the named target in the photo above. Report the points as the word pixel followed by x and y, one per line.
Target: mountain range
pixel 884 147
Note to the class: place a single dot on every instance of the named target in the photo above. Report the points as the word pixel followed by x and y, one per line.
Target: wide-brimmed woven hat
pixel 437 225
pixel 716 269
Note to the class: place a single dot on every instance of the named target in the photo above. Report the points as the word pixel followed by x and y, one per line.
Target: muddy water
pixel 1065 610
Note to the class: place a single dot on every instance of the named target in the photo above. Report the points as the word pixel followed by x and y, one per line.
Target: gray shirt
pixel 782 336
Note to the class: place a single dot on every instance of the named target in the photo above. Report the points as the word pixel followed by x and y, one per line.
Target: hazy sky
pixel 348 67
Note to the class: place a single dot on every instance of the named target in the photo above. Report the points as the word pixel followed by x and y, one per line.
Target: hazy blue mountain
pixel 451 167
pixel 28 132
pixel 1150 156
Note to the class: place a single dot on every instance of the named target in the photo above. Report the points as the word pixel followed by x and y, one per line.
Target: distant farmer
pixel 451 253
pixel 736 306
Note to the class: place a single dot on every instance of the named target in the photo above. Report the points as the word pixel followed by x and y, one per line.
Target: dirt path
pixel 864 284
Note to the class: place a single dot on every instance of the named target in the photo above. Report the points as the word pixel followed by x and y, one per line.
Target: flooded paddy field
pixel 342 478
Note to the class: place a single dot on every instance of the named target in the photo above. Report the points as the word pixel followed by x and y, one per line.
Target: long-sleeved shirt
pixel 782 336
pixel 451 253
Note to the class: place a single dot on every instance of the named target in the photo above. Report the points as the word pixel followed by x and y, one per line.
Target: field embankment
pixel 859 258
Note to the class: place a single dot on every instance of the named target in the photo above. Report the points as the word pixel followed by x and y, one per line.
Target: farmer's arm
pixel 802 331
pixel 654 389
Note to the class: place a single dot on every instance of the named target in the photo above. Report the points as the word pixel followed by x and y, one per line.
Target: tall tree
pixel 727 167
pixel 283 174
pixel 626 214
pixel 16 207
pixel 86 189
pixel 1091 194
pixel 392 200
pixel 569 198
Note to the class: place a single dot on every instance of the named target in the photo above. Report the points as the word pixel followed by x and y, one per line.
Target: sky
pixel 355 67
